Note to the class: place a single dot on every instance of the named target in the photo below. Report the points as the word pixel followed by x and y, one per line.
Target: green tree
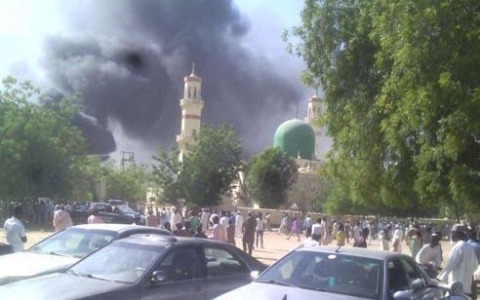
pixel 402 95
pixel 269 176
pixel 128 183
pixel 39 148
pixel 208 169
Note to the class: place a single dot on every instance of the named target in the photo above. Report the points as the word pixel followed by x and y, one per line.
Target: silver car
pixel 63 249
pixel 341 273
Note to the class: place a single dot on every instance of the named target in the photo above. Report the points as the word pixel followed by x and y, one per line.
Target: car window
pixel 221 262
pixel 181 263
pixel 76 243
pixel 397 277
pixel 334 273
pixel 412 272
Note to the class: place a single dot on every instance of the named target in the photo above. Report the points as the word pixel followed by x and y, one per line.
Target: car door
pixel 418 281
pixel 396 277
pixel 404 275
pixel 225 270
pixel 183 276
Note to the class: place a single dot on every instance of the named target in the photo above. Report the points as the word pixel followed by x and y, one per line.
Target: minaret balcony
pixel 191 102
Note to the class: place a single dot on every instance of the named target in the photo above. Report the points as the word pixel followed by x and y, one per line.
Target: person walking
pixel 361 242
pixel 249 233
pixel 384 237
pixel 15 231
pixel 294 229
pixel 347 232
pixel 308 226
pixel 283 224
pixel 340 237
pixel 218 232
pixel 151 220
pixel 260 229
pixel 231 232
pixel 397 239
pixel 268 222
pixel 462 261
pixel 414 239
pixel 317 230
pixel 238 224
pixel 61 219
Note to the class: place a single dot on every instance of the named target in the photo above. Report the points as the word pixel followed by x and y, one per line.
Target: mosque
pixel 301 139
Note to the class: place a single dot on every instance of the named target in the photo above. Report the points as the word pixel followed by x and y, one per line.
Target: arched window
pixel 194 93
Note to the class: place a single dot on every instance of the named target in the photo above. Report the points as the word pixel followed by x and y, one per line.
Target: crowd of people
pixel 218 225
pixel 422 240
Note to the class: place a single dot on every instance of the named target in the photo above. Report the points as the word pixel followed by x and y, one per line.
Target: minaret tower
pixel 192 105
pixel 315 109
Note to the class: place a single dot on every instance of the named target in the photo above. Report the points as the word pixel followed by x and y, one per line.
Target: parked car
pixel 61 250
pixel 329 273
pixel 145 267
pixel 120 214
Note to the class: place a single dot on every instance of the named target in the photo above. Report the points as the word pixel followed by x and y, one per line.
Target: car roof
pixel 158 240
pixel 355 251
pixel 116 227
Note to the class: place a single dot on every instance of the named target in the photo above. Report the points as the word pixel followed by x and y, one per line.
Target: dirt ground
pixel 275 245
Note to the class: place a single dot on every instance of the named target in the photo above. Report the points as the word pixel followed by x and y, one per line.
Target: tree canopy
pixel 269 175
pixel 401 83
pixel 39 148
pixel 207 171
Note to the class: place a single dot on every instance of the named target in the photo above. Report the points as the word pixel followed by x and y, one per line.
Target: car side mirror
pixel 158 277
pixel 402 295
pixel 254 275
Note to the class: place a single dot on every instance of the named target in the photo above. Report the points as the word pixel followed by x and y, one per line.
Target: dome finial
pixel 193 68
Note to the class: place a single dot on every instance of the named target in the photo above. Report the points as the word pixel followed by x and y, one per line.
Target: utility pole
pixel 127 156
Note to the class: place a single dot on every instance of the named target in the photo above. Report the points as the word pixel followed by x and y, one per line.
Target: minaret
pixel 192 105
pixel 315 109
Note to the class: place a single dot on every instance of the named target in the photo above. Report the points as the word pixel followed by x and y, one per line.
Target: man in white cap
pixel 462 262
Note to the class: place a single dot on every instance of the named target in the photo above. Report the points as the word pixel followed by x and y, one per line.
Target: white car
pixel 61 250
pixel 329 273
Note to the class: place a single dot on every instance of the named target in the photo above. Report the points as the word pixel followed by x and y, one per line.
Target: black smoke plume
pixel 127 58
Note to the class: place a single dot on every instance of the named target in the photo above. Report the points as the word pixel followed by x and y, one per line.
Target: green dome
pixel 295 137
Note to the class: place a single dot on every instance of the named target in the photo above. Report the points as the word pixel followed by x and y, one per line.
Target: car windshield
pixel 74 242
pixel 118 262
pixel 333 273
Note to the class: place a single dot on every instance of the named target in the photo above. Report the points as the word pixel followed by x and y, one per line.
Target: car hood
pixel 267 291
pixel 58 286
pixel 22 265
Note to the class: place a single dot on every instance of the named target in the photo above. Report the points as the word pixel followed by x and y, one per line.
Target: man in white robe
pixel 462 262
pixel 238 224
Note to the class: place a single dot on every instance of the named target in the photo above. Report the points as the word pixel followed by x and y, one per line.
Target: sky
pixel 38 40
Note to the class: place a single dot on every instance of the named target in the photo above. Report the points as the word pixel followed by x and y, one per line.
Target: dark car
pixel 342 274
pixel 145 267
pixel 63 249
pixel 113 211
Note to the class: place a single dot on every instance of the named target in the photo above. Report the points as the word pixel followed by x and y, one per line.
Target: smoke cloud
pixel 128 58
